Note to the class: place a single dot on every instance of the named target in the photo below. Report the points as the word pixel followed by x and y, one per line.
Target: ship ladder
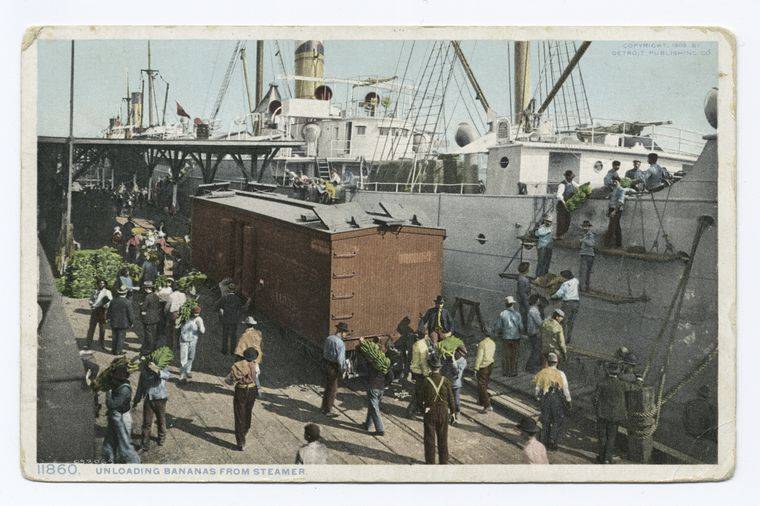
pixel 323 168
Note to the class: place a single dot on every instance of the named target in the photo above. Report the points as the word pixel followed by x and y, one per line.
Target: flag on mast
pixel 181 111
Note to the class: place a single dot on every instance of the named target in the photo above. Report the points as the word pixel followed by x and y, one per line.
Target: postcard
pixel 354 254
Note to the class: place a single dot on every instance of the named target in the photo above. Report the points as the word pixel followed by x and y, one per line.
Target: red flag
pixel 181 111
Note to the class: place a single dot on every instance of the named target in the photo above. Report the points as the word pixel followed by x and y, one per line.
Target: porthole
pixel 504 162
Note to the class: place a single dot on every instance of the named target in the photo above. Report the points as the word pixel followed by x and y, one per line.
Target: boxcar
pixel 309 266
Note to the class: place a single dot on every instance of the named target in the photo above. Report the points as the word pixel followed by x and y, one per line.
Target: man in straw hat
pixel 544 246
pixel 243 375
pixel 534 452
pixel 553 394
pixel 334 360
pixel 552 336
pixel 508 326
pixel 117 443
pixel 120 317
pixel 437 403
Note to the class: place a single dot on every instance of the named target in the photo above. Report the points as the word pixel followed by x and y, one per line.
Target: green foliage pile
pixel 105 382
pixel 162 356
pixel 626 182
pixel 375 356
pixel 186 311
pixel 192 279
pixel 447 346
pixel 87 266
pixel 578 197
pixel 550 281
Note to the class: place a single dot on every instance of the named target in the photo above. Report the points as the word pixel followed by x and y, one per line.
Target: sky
pixel 624 80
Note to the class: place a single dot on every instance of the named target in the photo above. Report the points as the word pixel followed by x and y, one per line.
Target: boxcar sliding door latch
pixel 342 316
pixel 343 276
pixel 349 254
pixel 342 296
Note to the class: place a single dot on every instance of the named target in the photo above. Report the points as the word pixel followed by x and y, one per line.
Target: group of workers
pixel 437 377
pixel 322 190
pixel 650 179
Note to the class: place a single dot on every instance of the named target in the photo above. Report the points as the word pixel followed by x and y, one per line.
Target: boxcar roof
pixel 331 219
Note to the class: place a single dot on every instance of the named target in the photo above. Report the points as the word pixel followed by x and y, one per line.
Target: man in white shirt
pixel 568 293
pixel 174 303
pixel 99 302
pixel 314 451
pixel 565 190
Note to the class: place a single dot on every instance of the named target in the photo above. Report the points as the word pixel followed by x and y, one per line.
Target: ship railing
pixel 666 137
pixel 404 187
pixel 655 137
pixel 340 148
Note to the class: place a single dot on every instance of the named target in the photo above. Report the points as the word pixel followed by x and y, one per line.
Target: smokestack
pixel 136 108
pixel 310 62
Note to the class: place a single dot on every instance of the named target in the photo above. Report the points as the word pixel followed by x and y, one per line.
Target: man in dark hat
pixel 611 412
pixel 437 321
pixel 569 294
pixel 314 451
pixel 565 190
pixel 437 403
pixel 334 360
pixel 587 254
pixel 231 307
pixel 151 386
pixel 150 316
pixel 243 376
pixel 117 443
pixel 523 289
pixel 121 317
pixel 534 452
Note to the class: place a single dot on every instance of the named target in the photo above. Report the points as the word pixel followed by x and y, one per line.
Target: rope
pixel 644 424
pixel 655 244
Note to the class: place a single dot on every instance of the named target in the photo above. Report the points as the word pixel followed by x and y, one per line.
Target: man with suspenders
pixel 437 403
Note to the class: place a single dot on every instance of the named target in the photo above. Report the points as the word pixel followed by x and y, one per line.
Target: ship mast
pixel 522 79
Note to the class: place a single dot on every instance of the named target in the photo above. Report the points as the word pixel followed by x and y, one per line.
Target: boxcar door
pixel 248 273
pixel 223 258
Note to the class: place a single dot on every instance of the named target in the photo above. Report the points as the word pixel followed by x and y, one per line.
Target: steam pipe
pixel 259 71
